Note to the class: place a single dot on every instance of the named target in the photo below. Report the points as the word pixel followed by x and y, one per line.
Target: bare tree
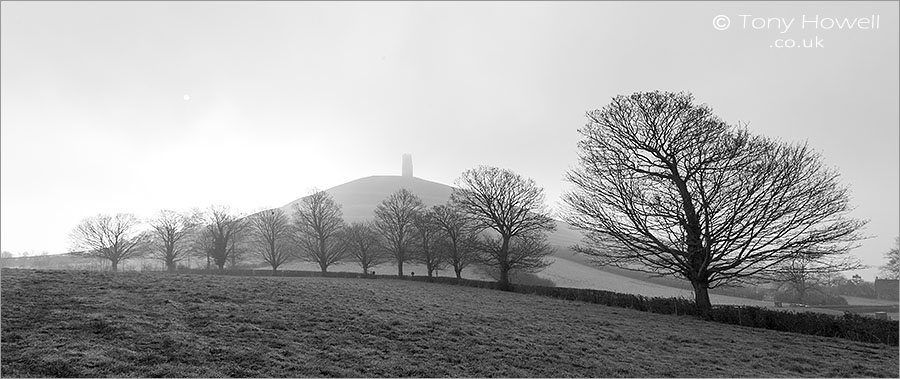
pixel 430 242
pixel 363 245
pixel 393 221
pixel 319 221
pixel 270 234
pixel 114 238
pixel 170 234
pixel 222 236
pixel 505 202
pixel 891 269
pixel 806 273
pixel 461 249
pixel 664 186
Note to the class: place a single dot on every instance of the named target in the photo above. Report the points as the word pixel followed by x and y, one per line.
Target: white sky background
pixel 288 96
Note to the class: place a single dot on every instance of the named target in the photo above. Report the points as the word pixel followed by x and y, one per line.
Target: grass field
pixel 61 323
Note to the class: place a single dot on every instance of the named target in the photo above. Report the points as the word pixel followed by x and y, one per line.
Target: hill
pixel 71 324
pixel 359 197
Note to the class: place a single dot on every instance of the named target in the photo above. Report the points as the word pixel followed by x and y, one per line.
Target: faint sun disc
pixel 187 97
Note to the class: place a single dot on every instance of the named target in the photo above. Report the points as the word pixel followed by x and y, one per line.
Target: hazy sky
pixel 136 107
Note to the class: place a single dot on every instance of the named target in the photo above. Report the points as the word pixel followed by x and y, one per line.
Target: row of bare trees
pixel 219 234
pixel 495 217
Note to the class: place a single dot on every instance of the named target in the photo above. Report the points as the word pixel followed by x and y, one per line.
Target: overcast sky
pixel 136 107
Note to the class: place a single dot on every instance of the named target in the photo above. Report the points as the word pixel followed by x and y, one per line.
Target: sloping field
pixel 59 323
pixel 567 273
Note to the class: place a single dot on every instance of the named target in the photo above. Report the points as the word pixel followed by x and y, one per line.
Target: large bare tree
pixel 223 235
pixel 393 221
pixel 170 235
pixel 505 202
pixel 114 238
pixel 319 222
pixel 270 235
pixel 461 234
pixel 664 186
pixel 430 242
pixel 364 245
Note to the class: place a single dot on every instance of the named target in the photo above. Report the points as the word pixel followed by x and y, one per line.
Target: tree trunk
pixel 115 266
pixel 323 266
pixel 504 279
pixel 701 298
pixel 458 272
pixel 221 265
pixel 801 291
pixel 170 266
pixel 504 265
pixel 399 268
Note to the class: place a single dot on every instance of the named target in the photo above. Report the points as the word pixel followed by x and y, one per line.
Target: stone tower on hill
pixel 407 166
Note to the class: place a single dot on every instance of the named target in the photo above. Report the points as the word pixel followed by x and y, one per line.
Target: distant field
pixel 566 273
pixel 63 323
pixel 852 300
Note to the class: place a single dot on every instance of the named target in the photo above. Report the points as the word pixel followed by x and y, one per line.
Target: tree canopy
pixel 663 185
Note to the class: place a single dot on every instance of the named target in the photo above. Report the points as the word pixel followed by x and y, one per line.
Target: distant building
pixel 887 289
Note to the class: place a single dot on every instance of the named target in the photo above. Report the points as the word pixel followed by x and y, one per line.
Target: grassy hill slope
pixel 59 323
pixel 358 198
